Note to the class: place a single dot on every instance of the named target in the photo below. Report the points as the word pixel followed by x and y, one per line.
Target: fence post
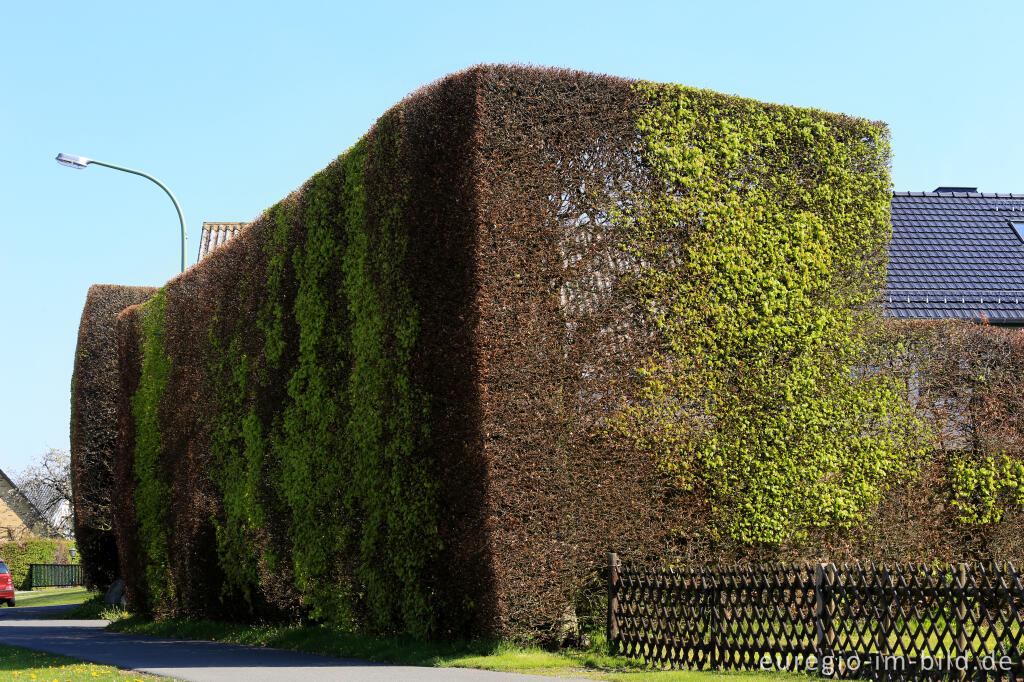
pixel 961 614
pixel 717 657
pixel 613 602
pixel 824 607
pixel 885 627
pixel 884 602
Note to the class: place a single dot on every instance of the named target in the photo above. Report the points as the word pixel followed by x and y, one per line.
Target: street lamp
pixel 80 162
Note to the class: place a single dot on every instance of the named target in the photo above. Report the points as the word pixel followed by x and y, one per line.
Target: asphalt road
pixel 208 661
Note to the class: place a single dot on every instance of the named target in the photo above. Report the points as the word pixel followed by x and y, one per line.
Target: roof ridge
pixel 218 233
pixel 968 195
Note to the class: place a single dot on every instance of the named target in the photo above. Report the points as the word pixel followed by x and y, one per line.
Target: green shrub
pixel 19 556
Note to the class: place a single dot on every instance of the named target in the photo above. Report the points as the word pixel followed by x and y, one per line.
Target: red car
pixel 6 585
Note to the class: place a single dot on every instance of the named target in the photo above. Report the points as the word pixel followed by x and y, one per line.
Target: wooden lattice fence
pixel 894 622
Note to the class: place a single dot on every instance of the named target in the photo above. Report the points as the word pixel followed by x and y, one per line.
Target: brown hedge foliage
pixel 966 501
pixel 495 162
pixel 554 146
pixel 964 379
pixel 491 504
pixel 217 288
pixel 122 497
pixel 94 429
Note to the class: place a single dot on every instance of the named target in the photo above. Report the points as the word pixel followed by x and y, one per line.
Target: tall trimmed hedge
pixel 94 429
pixel 532 316
pixel 278 382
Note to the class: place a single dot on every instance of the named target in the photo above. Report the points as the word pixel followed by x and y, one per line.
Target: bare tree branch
pixel 47 485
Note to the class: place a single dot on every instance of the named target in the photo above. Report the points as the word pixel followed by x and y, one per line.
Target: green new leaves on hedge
pixel 394 485
pixel 360 503
pixel 237 450
pixel 316 457
pixel 759 259
pixel 152 494
pixel 980 484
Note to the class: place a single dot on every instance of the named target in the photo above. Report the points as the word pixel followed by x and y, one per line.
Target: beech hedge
pixel 532 316
pixel 94 431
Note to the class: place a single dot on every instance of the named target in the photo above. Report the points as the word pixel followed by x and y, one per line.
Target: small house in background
pixel 216 234
pixel 19 519
pixel 957 253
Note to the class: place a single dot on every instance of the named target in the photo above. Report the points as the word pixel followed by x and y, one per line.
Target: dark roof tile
pixel 956 255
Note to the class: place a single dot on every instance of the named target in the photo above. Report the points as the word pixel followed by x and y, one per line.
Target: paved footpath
pixel 209 661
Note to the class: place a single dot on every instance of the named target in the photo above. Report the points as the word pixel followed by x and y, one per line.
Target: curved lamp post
pixel 72 161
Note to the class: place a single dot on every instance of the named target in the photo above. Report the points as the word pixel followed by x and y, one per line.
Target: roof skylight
pixel 1019 226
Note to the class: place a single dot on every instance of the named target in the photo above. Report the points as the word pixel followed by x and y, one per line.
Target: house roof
pixel 26 512
pixel 955 254
pixel 215 234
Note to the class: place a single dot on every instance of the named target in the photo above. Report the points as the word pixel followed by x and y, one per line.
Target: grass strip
pixel 590 663
pixel 17 663
pixel 64 595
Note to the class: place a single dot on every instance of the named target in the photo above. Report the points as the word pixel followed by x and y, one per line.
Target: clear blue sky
pixel 234 105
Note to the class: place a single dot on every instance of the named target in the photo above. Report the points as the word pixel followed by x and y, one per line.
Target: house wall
pixel 11 525
pixel 18 518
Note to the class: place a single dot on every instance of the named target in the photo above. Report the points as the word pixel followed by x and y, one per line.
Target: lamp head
pixel 72 161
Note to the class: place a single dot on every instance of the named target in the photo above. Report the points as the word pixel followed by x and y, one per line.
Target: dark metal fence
pixel 904 621
pixel 55 575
